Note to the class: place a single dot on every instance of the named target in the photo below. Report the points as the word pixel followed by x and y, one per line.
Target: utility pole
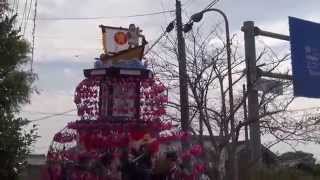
pixel 250 31
pixel 183 77
pixel 253 101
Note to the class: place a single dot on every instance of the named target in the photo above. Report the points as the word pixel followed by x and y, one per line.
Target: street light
pixel 197 18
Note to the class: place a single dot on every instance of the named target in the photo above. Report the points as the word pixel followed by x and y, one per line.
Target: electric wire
pixel 47 113
pixel 17 9
pixel 211 4
pixel 155 43
pixel 102 17
pixel 14 4
pixel 24 13
pixel 33 34
pixel 28 16
pixel 17 6
pixel 128 16
pixel 136 15
pixel 10 5
pixel 53 115
pixel 13 10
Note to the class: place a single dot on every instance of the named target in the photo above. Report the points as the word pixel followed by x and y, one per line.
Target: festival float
pixel 121 133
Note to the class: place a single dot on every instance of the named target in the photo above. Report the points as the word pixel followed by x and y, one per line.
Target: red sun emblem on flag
pixel 121 38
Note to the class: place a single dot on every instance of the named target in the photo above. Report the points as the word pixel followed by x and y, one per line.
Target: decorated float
pixel 120 133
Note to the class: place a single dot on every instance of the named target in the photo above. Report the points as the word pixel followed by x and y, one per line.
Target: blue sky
pixel 64 48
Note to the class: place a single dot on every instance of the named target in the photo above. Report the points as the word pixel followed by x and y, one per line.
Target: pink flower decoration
pixel 196 150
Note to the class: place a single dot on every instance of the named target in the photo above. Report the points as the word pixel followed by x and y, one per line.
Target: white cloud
pixel 79 41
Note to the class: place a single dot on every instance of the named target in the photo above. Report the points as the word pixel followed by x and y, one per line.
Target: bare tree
pixel 209 112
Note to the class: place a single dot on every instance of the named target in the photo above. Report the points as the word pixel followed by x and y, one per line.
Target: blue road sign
pixel 305 54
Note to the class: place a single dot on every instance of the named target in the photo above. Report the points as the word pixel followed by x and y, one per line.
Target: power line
pixel 128 16
pixel 14 7
pixel 166 30
pixel 102 17
pixel 211 4
pixel 14 10
pixel 17 6
pixel 156 42
pixel 53 115
pixel 28 16
pixel 47 113
pixel 24 12
pixel 14 4
pixel 34 33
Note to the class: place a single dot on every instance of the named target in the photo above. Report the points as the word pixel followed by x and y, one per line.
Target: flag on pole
pixel 114 39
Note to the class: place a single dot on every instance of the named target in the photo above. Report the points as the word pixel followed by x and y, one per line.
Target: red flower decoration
pixel 137 135
pixel 200 168
pixel 196 150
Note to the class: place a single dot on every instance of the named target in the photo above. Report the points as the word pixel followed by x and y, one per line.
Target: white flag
pixel 114 39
